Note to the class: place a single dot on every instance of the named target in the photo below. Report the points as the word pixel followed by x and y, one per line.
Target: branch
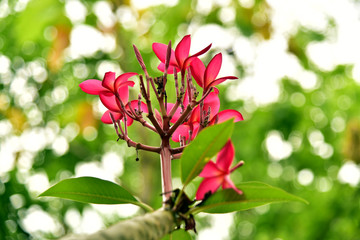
pixel 151 226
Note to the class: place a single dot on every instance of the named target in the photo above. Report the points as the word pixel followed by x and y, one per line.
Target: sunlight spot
pixel 92 169
pixel 73 219
pixel 297 99
pixel 338 124
pixel 247 3
pixel 277 147
pixel 5 127
pixel 60 145
pixel 106 66
pixel 104 13
pixel 126 17
pixel 25 161
pixel 86 40
pixel 349 173
pixel 59 94
pixel 142 4
pixel 70 131
pixel 17 201
pixel 113 164
pixel 324 184
pixel 33 140
pixel 227 14
pixel 80 70
pixel 119 210
pixel 38 183
pixel 90 133
pixel 38 71
pixel 37 220
pixel 355 72
pixel 274 170
pixel 91 221
pixel 75 11
pixel 220 226
pixel 4 64
pixel 305 177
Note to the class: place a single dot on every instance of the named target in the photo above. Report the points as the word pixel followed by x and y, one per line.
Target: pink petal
pixel 227 183
pixel 107 119
pixel 124 93
pixel 161 67
pixel 123 78
pixel 92 86
pixel 212 101
pixel 160 50
pixel 226 157
pixel 210 170
pixel 176 114
pixel 208 184
pixel 220 80
pixel 226 115
pixel 135 106
pixel 108 81
pixel 182 50
pixel 182 130
pixel 192 57
pixel 195 129
pixel 109 101
pixel 212 70
pixel 197 68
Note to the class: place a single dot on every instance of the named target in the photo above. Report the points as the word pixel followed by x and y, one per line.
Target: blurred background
pixel 298 64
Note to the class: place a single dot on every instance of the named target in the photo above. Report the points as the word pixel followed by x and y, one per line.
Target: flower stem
pixel 165 158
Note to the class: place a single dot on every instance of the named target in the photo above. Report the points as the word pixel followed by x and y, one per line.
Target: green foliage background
pixel 39 92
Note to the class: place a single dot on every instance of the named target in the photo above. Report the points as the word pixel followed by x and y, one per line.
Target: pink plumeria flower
pixel 108 87
pixel 206 76
pixel 193 123
pixel 218 174
pixel 179 58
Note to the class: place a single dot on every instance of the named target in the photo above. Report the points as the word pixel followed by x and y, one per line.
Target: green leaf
pixel 205 145
pixel 92 190
pixel 254 194
pixel 180 234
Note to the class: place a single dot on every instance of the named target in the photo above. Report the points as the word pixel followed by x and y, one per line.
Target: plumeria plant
pixel 195 123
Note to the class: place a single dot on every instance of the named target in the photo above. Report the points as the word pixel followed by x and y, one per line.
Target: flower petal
pixel 226 115
pixel 160 50
pixel 197 68
pixel 161 67
pixel 108 81
pixel 109 101
pixel 210 170
pixel 123 78
pixel 212 70
pixel 226 157
pixel 123 91
pixel 182 51
pixel 208 185
pixel 107 119
pixel 92 86
pixel 227 183
pixel 182 130
pixel 220 80
pixel 135 106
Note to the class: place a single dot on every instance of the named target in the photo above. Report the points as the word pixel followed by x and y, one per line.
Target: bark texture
pixel 151 226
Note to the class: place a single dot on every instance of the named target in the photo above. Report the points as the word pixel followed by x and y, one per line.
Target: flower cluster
pixel 180 121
